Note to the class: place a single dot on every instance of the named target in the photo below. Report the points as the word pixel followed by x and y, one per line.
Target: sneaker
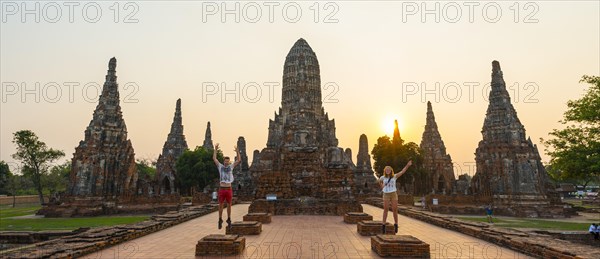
pixel 383 228
pixel 396 228
pixel 220 223
pixel 228 222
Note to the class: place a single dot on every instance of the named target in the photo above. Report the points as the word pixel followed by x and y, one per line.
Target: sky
pixel 379 61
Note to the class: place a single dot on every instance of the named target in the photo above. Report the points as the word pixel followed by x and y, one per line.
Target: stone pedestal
pixel 355 217
pixel 403 246
pixel 244 228
pixel 371 228
pixel 305 206
pixel 218 244
pixel 261 217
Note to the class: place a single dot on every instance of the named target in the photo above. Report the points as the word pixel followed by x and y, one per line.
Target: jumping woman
pixel 387 182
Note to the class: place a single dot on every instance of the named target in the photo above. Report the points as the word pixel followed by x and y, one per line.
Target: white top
pixel 389 184
pixel 225 173
pixel 593 228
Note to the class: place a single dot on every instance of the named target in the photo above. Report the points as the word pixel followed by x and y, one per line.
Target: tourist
pixel 225 193
pixel 594 230
pixel 489 211
pixel 390 198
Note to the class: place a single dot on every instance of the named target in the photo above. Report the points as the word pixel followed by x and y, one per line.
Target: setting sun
pixel 387 124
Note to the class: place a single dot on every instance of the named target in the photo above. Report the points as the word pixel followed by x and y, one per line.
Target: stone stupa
pixel 302 170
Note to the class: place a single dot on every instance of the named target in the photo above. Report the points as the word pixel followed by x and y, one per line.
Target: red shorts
pixel 225 195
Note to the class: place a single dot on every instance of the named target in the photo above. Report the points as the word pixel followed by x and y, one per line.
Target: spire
pixel 431 141
pixel 396 137
pixel 430 121
pixel 104 161
pixel 108 108
pixel 176 143
pixel 505 156
pixel 301 79
pixel 497 76
pixel 208 144
pixel 501 116
pixel 111 73
pixel 241 145
pixel 177 125
pixel 436 162
pixel 363 159
pixel 429 108
pixel 301 121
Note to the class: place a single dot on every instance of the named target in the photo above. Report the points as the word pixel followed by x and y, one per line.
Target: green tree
pixel 58 178
pixel 196 169
pixel 35 157
pixel 146 168
pixel 575 150
pixel 396 154
pixel 5 177
pixel 466 176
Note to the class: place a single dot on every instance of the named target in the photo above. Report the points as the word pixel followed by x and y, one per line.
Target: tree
pixel 58 178
pixel 575 150
pixel 146 168
pixel 196 169
pixel 5 177
pixel 466 176
pixel 35 157
pixel 396 153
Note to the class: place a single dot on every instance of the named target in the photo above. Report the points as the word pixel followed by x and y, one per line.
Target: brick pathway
pixel 305 237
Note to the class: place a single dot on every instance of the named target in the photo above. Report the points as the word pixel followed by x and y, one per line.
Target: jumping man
pixel 226 178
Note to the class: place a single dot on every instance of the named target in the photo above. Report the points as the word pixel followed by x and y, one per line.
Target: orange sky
pixel 379 62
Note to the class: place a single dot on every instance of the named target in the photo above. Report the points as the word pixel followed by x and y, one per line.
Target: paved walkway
pixel 303 237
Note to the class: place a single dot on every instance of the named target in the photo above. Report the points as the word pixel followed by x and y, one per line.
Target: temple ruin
pixel 364 182
pixel 302 167
pixel 436 162
pixel 174 146
pixel 244 186
pixel 509 167
pixel 104 164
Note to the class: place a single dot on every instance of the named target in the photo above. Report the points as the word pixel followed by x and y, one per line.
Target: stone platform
pixel 355 217
pixel 305 206
pixel 371 228
pixel 403 246
pixel 244 228
pixel 259 216
pixel 72 206
pixel 217 244
pixel 292 237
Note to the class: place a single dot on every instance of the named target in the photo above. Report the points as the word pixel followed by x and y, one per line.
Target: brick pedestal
pixel 371 228
pixel 258 216
pixel 218 244
pixel 305 206
pixel 355 217
pixel 244 228
pixel 403 246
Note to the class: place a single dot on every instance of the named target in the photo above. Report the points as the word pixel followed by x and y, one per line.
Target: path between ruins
pixel 303 236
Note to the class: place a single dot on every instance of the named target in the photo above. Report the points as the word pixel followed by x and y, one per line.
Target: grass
pixel 38 224
pixel 7 211
pixel 579 203
pixel 532 223
pixel 7 223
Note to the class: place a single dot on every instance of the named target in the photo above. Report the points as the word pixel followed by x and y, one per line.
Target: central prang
pixel 302 160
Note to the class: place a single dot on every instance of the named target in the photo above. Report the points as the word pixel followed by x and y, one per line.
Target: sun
pixel 387 124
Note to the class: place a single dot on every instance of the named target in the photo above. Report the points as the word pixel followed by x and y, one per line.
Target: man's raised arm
pixel 215 155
